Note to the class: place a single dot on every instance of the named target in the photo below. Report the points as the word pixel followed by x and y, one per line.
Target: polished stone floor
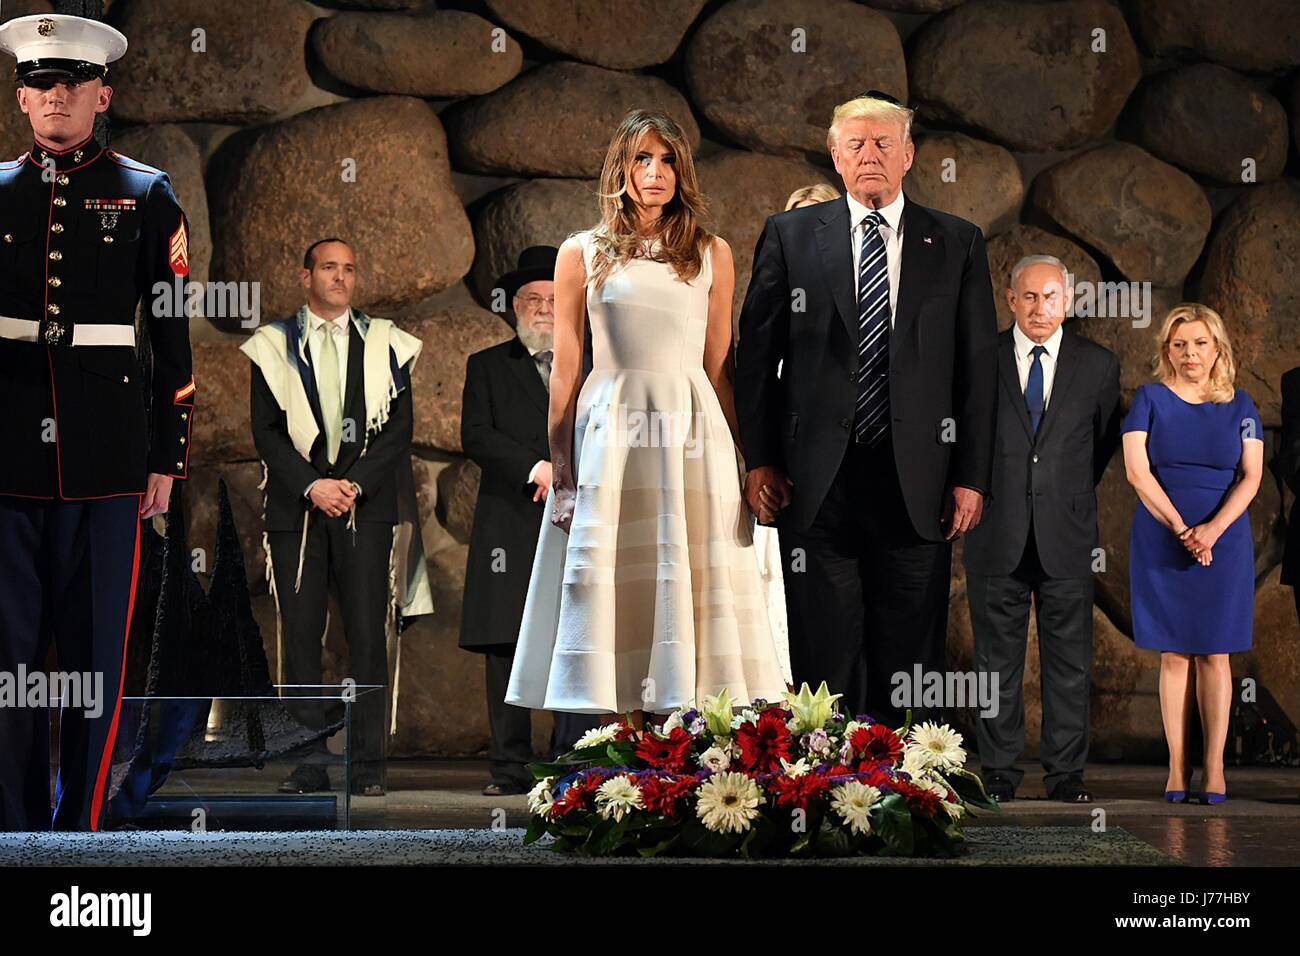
pixel 1259 825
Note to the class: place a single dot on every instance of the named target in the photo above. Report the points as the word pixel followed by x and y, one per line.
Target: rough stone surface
pixel 457 495
pixel 774 92
pixel 743 190
pixel 572 109
pixel 1129 335
pixel 450 336
pixel 294 185
pixel 531 213
pixel 1252 279
pixel 969 178
pixel 1209 120
pixel 599 32
pixel 221 376
pixel 1264 36
pixel 445 53
pixel 969 65
pixel 1149 218
pixel 1274 661
pixel 164 79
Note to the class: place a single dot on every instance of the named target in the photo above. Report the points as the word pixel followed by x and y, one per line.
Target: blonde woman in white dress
pixel 645 593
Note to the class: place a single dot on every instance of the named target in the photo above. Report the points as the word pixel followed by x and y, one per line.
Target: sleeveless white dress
pixel 654 598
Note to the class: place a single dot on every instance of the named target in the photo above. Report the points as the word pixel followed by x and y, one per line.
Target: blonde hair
pixel 818 193
pixel 871 108
pixel 1224 372
pixel 616 239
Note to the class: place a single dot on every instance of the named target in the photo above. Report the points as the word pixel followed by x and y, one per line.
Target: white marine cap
pixel 56 44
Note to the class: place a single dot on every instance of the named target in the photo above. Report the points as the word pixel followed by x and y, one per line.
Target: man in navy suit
pixel 872 449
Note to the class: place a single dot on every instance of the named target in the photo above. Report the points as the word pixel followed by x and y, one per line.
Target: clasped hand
pixel 1199 541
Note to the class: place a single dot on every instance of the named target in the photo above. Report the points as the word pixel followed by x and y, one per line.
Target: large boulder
pixel 221 431
pixel 536 212
pixel 1274 660
pixel 743 190
pixel 248 64
pixel 1008 248
pixel 1112 320
pixel 557 120
pixel 373 171
pixel 450 335
pixel 967 177
pixel 599 32
pixel 443 53
pixel 1149 218
pixel 1210 120
pixel 770 76
pixel 1263 36
pixel 1252 279
pixel 969 65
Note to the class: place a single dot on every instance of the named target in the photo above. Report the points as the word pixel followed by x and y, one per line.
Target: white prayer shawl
pixel 268 348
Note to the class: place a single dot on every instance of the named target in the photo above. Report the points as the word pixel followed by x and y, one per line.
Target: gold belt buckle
pixel 56 333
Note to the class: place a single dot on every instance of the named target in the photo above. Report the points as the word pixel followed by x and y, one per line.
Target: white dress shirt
pixel 892 232
pixel 1023 347
pixel 533 352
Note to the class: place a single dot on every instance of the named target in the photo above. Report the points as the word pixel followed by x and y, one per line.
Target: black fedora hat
pixel 535 263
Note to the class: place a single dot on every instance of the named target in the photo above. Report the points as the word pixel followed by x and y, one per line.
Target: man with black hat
pixel 85 233
pixel 503 429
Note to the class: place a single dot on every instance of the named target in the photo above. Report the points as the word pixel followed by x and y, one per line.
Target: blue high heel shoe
pixel 1175 796
pixel 1212 799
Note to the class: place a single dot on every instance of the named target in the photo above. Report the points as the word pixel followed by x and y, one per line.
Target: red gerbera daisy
pixel 671 754
pixel 763 744
pixel 877 744
pixel 798 792
pixel 664 794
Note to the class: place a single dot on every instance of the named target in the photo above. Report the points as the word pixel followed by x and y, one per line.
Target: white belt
pixel 28 330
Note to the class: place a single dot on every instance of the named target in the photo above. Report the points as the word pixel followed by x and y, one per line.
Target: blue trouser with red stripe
pixel 67 575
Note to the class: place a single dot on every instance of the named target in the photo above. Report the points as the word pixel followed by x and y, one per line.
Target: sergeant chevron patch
pixel 179 251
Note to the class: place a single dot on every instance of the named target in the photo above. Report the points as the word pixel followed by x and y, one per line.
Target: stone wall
pixel 1150 142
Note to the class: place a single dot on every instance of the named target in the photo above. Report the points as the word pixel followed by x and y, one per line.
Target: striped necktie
pixel 872 410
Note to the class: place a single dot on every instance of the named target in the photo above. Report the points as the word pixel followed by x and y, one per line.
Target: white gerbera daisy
pixel 853 801
pixel 674 721
pixel 728 802
pixel 916 760
pixel 600 735
pixel 941 742
pixel 617 797
pixel 540 798
pixel 715 759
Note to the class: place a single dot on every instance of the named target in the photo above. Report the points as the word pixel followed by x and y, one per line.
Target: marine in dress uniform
pixel 85 234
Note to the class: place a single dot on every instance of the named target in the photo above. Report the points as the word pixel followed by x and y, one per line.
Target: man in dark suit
pixel 332 441
pixel 503 429
pixel 92 441
pixel 1287 466
pixel 873 446
pixel 1058 425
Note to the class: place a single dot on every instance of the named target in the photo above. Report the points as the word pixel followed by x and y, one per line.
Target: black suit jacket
pixel 1287 466
pixel 503 429
pixel 1050 477
pixel 289 474
pixel 800 309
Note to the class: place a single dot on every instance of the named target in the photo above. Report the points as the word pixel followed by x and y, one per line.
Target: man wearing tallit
pixel 330 408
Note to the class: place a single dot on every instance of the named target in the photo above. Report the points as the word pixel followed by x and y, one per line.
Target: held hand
pixel 1200 540
pixel 564 496
pixel 961 512
pixel 542 480
pixel 767 492
pixel 332 496
pixel 157 495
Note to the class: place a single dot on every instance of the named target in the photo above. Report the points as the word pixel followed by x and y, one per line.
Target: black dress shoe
pixel 1071 790
pixel 495 789
pixel 999 788
pixel 307 778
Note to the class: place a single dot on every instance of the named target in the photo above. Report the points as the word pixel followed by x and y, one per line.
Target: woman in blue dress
pixel 1194 453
